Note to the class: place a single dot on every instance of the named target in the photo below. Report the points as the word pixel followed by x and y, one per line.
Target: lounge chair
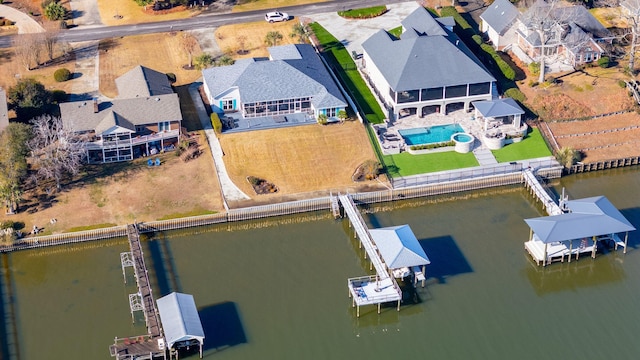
pixel 157 161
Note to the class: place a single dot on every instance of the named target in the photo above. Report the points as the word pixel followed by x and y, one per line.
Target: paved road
pixel 207 20
pixel 23 21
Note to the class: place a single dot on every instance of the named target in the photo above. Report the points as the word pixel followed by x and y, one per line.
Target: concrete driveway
pixel 352 33
pixel 23 21
pixel 85 13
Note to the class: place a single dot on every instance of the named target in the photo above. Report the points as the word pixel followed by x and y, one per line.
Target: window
pixel 227 105
pixel 164 126
pixel 331 112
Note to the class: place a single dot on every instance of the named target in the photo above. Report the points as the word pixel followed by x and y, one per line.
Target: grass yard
pixel 123 12
pixel 160 53
pixel 341 61
pixel 299 159
pixel 229 38
pixel 405 164
pixel 533 146
pixel 11 71
pixel 120 193
pixel 249 5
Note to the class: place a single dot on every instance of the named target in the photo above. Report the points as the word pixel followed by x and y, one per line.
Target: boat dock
pixel 539 191
pixel 152 344
pixel 373 289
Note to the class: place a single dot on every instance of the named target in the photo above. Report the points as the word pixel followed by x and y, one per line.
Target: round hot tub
pixel 463 142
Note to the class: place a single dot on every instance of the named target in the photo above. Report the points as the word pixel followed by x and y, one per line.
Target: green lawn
pixel 405 164
pixel 342 64
pixel 533 146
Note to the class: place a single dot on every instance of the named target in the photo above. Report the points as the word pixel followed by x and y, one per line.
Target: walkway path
pixel 88 66
pixel 229 190
pixel 23 21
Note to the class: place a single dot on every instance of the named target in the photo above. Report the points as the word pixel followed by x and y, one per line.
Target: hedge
pixel 506 70
pixel 515 94
pixel 216 123
pixel 364 13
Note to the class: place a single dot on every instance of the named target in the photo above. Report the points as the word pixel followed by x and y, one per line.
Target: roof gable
pixel 421 23
pixel 500 15
pixel 399 247
pixel 180 319
pixel 142 82
pixel 588 217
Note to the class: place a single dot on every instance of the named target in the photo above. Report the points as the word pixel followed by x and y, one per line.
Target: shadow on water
pixel 163 264
pixel 585 272
pixel 222 326
pixel 446 258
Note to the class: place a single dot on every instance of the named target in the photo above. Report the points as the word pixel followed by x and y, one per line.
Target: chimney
pixel 95 105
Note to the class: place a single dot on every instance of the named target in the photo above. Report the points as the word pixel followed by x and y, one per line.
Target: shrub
pixel 622 84
pixel 7 224
pixel 533 83
pixel 54 11
pixel 322 119
pixel 216 123
pixel 505 68
pixel 603 62
pixel 515 94
pixel 171 77
pixel 7 22
pixel 477 39
pixel 534 67
pixel 62 75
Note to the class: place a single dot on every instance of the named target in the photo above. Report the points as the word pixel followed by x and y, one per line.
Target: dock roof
pixel 399 247
pixel 180 319
pixel 589 217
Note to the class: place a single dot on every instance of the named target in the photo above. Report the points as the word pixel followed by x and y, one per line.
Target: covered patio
pixel 587 222
pixel 501 120
pixel 180 321
pixel 401 251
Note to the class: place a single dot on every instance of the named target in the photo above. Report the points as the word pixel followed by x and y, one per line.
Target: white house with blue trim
pixel 292 80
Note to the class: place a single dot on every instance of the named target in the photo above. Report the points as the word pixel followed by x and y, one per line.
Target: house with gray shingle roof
pixel 143 120
pixel 576 36
pixel 497 23
pixel 427 69
pixel 4 110
pixel 292 80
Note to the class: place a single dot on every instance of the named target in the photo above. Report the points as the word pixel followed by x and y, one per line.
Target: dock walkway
pixel 531 181
pixel 145 346
pixel 371 289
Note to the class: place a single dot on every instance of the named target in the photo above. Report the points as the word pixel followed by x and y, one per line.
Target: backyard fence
pixel 465 181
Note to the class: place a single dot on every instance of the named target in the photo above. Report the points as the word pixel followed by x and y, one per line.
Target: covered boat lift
pixel 180 321
pixel 595 218
pixel 401 251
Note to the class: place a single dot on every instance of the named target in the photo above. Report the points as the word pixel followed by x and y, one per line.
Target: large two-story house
pixel 292 80
pixel 571 34
pixel 144 119
pixel 428 68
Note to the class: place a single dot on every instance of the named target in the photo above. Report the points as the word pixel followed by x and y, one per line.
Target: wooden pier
pixel 152 344
pixel 532 183
pixel 369 290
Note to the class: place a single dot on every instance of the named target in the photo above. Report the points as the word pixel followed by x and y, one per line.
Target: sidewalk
pixel 229 190
pixel 23 21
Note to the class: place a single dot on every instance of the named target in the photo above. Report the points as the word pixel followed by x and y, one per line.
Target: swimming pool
pixel 430 135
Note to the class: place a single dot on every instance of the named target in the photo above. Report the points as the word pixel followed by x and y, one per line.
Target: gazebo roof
pixel 180 319
pixel 589 217
pixel 498 108
pixel 399 247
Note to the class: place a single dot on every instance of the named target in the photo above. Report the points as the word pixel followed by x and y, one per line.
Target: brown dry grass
pixel 298 159
pixel 609 16
pixel 131 13
pixel 248 5
pixel 133 192
pixel 161 53
pixel 227 37
pixel 11 71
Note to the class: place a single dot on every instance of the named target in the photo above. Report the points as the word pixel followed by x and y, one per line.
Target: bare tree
pixel 632 15
pixel 551 23
pixel 242 42
pixel 55 149
pixel 27 48
pixel 188 43
pixel 49 38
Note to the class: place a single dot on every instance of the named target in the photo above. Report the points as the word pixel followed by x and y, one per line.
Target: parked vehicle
pixel 276 16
